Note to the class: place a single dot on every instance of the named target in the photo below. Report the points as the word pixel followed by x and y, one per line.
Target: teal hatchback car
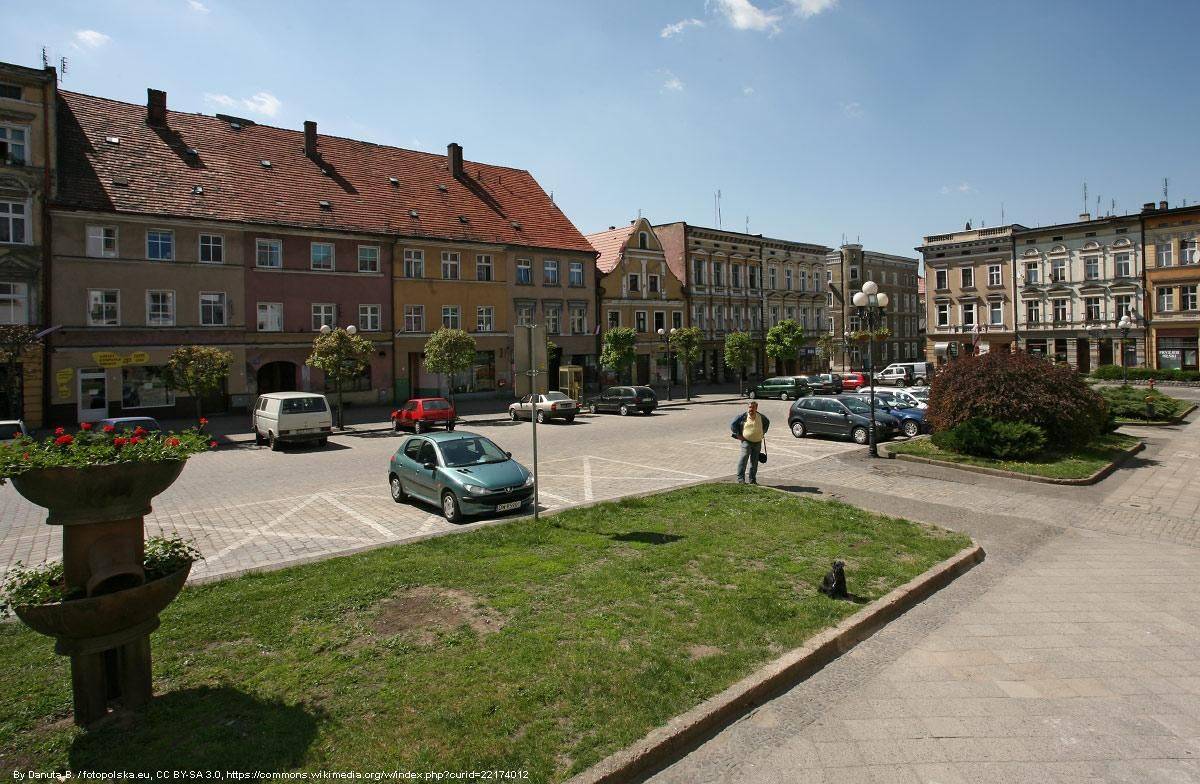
pixel 463 473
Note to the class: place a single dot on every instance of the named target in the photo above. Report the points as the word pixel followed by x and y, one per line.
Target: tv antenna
pixel 1001 213
pixel 1166 184
pixel 62 68
pixel 747 224
pixel 1085 199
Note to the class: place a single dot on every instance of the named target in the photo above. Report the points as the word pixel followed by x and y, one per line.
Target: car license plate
pixel 511 505
pixel 307 430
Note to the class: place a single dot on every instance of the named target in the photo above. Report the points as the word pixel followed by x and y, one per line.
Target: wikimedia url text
pixel 261 775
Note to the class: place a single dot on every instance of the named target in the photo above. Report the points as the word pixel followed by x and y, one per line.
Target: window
pixel 995 312
pixel 160 245
pixel 643 240
pixel 524 272
pixel 1188 252
pixel 145 387
pixel 160 308
pixel 1032 272
pixel 270 317
pixel 212 308
pixel 1122 266
pixel 718 278
pixel 968 314
pixel 1187 297
pixel 614 319
pixel 104 308
pixel 1124 305
pixel 752 277
pixel 16 140
pixel 698 316
pixel 1091 268
pixel 804 280
pixel 450 265
pixel 1058 270
pixel 414 263
pixel 942 279
pixel 549 272
pixel 14 303
pixel 1166 299
pixel 660 320
pixel 320 255
pixel 212 249
pixel 483 267
pixel 639 321
pixel 268 253
pixel 652 284
pixel 787 278
pixel 575 274
pixel 634 282
pixel 854 273
pixel 368 258
pixel 524 314
pixel 774 315
pixel 1162 254
pixel 368 318
pixel 772 277
pixel 968 277
pixel 677 319
pixel 1059 310
pixel 1033 312
pixel 943 314
pixel 698 271
pixel 578 315
pixel 553 317
pixel 451 316
pixel 735 278
pixel 993 274
pixel 324 314
pixel 101 242
pixel 414 318
pixel 485 318
pixel 12 91
pixel 1092 308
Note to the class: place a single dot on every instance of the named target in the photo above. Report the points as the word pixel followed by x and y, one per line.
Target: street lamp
pixel 350 330
pixel 662 333
pixel 870 303
pixel 1125 324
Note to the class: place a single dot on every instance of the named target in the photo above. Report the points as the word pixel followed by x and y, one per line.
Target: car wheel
pixel 395 425
pixel 418 427
pixel 570 419
pixel 752 394
pixel 541 417
pixel 859 434
pixel 273 442
pixel 624 411
pixel 322 442
pixel 258 438
pixel 449 426
pixel 450 509
pixel 783 395
pixel 798 429
pixel 910 427
pixel 512 414
pixel 901 382
pixel 592 409
pixel 397 489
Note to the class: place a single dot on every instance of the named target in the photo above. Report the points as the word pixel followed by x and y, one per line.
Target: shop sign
pixel 1169 354
pixel 111 359
pixel 63 379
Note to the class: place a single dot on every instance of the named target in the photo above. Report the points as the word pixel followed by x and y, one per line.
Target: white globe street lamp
pixel 870 303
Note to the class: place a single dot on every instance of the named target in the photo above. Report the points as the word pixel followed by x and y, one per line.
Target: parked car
pixel 905 373
pixel 853 380
pixel 782 387
pixel 826 384
pixel 920 400
pixel 842 415
pixel 463 473
pixel 129 424
pixel 920 393
pixel 552 405
pixel 912 419
pixel 423 413
pixel 11 428
pixel 291 418
pixel 624 401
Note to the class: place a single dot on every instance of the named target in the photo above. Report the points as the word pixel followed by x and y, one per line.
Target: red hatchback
pixel 422 413
pixel 853 381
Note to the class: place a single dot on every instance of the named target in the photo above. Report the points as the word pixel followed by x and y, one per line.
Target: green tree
pixel 784 341
pixel 449 351
pixel 739 353
pixel 619 349
pixel 197 371
pixel 827 347
pixel 686 343
pixel 15 340
pixel 342 355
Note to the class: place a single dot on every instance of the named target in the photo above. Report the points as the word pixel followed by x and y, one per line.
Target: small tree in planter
pixel 784 341
pixel 197 371
pixel 739 353
pixel 15 340
pixel 619 350
pixel 449 351
pixel 342 354
pixel 686 343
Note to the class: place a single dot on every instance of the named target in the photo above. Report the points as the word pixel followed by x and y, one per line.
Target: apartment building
pixel 1073 282
pixel 794 290
pixel 27 180
pixel 1171 236
pixel 846 270
pixel 970 307
pixel 640 287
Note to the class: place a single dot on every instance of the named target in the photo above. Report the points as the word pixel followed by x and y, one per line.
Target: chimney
pixel 1085 216
pixel 310 138
pixel 1148 206
pixel 156 107
pixel 454 157
pixel 1162 205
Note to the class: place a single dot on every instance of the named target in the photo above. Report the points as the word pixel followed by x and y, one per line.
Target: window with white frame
pixel 553 317
pixel 270 317
pixel 212 308
pixel 995 312
pixel 549 272
pixel 698 271
pixel 854 272
pixel 1091 268
pixel 942 279
pixel 160 244
pixel 320 256
pixel 1124 306
pixel 1187 297
pixel 639 321
pixel 212 249
pixel 104 308
pixel 368 258
pixel 614 319
pixel 1032 272
pixel 967 275
pixel 735 277
pixel 101 241
pixel 578 316
pixel 677 319
pixel 660 320
pixel 968 314
pixel 993 274
pixel 652 284
pixel 160 308
pixel 1058 270
pixel 575 274
pixel 1033 312
pixel 719 318
pixel 450 265
pixel 1188 252
pixel 414 318
pixel 485 318
pixel 524 272
pixel 324 314
pixel 718 274
pixel 451 316
pixel 634 282
pixel 268 254
pixel 773 315
pixel 752 277
pixel 1093 308
pixel 16 141
pixel 698 316
pixel 14 303
pixel 483 267
pixel 1162 253
pixel 414 263
pixel 772 278
pixel 524 314
pixel 804 280
pixel 1058 310
pixel 1122 266
pixel 1166 299
pixel 943 314
pixel 369 318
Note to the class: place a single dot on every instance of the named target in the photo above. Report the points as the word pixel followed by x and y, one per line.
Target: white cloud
pixel 220 100
pixel 263 103
pixel 747 90
pixel 672 82
pixel 962 187
pixel 852 109
pixel 198 7
pixel 677 28
pixel 744 15
pixel 807 8
pixel 92 39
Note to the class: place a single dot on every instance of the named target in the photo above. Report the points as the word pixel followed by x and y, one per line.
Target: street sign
pixel 521 354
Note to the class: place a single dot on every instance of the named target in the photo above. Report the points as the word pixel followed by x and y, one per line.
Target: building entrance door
pixel 643 369
pixel 1106 352
pixel 93 396
pixel 277 377
pixel 1083 356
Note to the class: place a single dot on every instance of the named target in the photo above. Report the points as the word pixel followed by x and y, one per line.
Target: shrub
pixel 1115 373
pixel 987 438
pixel 1137 402
pixel 1017 387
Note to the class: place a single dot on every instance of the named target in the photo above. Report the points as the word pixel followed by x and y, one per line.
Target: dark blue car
pixel 912 419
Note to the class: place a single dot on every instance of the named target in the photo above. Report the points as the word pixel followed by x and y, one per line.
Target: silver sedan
pixel 551 405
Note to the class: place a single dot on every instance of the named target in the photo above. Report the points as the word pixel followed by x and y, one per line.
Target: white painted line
pixel 567 501
pixel 357 516
pixel 587 479
pixel 246 539
pixel 649 468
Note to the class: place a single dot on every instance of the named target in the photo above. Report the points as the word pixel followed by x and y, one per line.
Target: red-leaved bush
pixel 1017 387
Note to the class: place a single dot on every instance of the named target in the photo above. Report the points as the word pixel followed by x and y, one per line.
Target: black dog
pixel 834 584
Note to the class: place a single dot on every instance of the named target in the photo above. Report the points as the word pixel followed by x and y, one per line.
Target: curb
pixel 1178 420
pixel 1087 480
pixel 682 733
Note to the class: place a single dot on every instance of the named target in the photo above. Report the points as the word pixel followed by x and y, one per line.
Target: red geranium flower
pixel 58 431
pixel 212 444
pixel 135 440
pixel 17 434
pixel 172 441
pixel 203 421
pixel 85 425
pixel 109 428
pixel 118 441
pixel 139 431
pixel 64 440
pixel 24 455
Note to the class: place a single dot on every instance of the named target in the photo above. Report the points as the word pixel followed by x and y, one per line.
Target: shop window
pixel 145 387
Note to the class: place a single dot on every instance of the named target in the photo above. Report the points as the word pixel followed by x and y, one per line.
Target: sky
pixel 878 121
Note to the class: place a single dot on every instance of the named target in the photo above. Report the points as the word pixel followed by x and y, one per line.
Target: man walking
pixel 750 428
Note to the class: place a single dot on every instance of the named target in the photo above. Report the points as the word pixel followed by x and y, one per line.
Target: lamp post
pixel 662 333
pixel 870 303
pixel 1124 325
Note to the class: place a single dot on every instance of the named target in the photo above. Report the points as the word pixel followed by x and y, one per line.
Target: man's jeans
pixel 750 450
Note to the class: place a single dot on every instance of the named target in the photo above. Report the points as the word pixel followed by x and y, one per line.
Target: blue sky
pixel 875 119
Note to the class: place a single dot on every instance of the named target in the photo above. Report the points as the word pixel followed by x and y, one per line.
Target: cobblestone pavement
pixel 1071 654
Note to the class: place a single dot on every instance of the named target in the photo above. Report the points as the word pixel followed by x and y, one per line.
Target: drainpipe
pixel 48 145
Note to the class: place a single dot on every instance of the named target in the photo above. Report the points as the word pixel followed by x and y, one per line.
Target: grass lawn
pixel 539 647
pixel 1078 464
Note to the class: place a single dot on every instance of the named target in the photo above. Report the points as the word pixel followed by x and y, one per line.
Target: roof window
pixel 516 225
pixel 197 190
pixel 463 219
pixel 414 214
pixel 395 181
pixel 113 139
pixel 325 205
pixel 121 182
pixel 442 188
pixel 265 163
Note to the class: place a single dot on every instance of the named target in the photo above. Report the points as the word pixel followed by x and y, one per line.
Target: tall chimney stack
pixel 156 107
pixel 454 157
pixel 1162 205
pixel 310 138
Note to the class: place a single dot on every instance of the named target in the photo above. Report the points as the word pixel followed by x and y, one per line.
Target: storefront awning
pixel 940 349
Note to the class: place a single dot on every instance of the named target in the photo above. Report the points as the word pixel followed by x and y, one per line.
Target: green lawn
pixel 542 647
pixel 1078 464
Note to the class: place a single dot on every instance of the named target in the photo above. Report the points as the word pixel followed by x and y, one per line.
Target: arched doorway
pixel 277 377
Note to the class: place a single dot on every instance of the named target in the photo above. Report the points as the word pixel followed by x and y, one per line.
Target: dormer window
pixel 643 240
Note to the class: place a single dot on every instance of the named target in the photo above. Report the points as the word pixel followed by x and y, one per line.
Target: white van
pixel 291 417
pixel 901 374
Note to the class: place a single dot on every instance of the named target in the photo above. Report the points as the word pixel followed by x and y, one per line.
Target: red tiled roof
pixel 161 177
pixel 610 245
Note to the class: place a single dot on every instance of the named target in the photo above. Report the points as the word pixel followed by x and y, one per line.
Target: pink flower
pixel 203 421
pixel 85 425
pixel 64 440
pixel 172 441
pixel 58 431
pixel 212 444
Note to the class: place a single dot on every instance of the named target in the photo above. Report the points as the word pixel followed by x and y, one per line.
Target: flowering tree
pixel 686 344
pixel 449 351
pixel 197 371
pixel 341 355
pixel 15 340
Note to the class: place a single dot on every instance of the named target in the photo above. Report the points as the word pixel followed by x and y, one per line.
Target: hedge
pixel 1116 373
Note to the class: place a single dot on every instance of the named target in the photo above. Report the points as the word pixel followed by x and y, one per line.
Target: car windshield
pixel 303 405
pixel 9 431
pixel 920 394
pixel 471 450
pixel 552 396
pixel 856 405
pixel 436 405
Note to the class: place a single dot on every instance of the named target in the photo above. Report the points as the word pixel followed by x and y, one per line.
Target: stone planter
pixel 97 494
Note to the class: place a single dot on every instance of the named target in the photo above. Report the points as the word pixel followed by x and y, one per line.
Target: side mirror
pixel 430 466
pixel 508 454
